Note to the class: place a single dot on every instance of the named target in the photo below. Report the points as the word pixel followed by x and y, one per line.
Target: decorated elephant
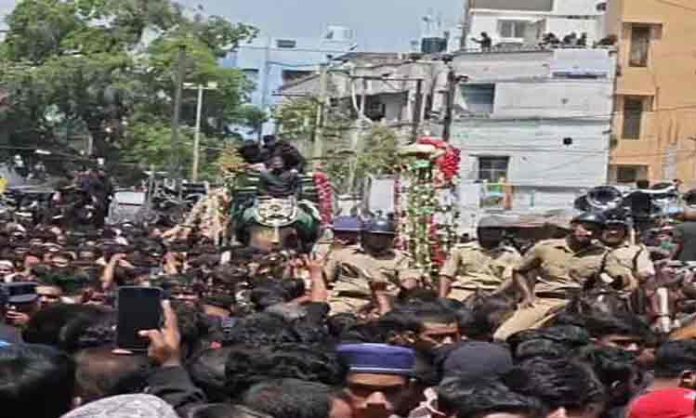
pixel 268 222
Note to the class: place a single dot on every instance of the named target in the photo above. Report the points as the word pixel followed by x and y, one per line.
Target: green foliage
pixel 380 155
pixel 109 66
pixel 376 153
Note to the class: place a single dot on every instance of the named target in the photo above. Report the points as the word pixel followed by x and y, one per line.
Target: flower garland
pixel 427 187
pixel 326 197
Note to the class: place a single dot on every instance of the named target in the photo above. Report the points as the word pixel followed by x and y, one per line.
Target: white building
pixel 270 62
pixel 538 122
pixel 533 126
pixel 524 22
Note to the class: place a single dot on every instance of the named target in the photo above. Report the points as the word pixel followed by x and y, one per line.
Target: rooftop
pixel 526 5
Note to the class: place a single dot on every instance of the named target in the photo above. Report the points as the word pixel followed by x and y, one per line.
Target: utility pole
pixel 178 90
pixel 417 110
pixel 449 104
pixel 356 144
pixel 197 135
pixel 318 143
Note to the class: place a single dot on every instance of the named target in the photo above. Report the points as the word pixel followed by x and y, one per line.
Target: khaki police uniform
pixel 350 271
pixel 630 264
pixel 559 270
pixel 472 267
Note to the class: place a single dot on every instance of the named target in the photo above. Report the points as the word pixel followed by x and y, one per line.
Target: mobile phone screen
pixel 139 308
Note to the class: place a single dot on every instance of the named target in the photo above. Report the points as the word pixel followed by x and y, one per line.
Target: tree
pixel 107 66
pixel 376 153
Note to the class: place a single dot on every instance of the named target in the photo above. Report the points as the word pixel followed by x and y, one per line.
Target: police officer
pixel 345 233
pixel 553 268
pixel 626 265
pixel 356 271
pixel 483 265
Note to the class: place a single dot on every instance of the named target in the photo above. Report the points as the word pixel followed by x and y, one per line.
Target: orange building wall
pixel 668 135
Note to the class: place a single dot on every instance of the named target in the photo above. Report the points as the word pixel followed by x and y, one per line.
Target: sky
pixel 379 25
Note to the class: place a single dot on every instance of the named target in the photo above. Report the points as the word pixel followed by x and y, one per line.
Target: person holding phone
pixel 170 381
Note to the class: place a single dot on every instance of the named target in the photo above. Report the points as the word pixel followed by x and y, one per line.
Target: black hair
pixel 222 410
pixel 63 325
pixel 468 400
pixel 247 366
pixel 570 336
pixel 363 333
pixel 193 326
pixel 291 398
pixel 294 288
pixel 429 311
pixel 539 347
pixel 263 297
pixel 674 358
pixel 261 329
pixel 558 383
pixel 616 369
pixel 337 324
pixel 399 321
pixel 36 381
pixel 519 337
pixel 489 313
pixel 101 373
pixel 207 371
pixel 625 324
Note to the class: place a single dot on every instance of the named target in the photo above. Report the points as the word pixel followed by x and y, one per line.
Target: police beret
pixel 377 358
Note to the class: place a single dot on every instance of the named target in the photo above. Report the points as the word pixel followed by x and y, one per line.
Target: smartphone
pixel 139 308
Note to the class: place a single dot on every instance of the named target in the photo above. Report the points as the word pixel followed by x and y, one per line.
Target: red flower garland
pixel 326 196
pixel 447 164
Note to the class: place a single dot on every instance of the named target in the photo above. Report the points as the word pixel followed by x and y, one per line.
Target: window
pixel 251 74
pixel 632 117
pixel 479 98
pixel 293 75
pixel 640 46
pixel 631 173
pixel 375 109
pixel 493 169
pixel 286 43
pixel 512 28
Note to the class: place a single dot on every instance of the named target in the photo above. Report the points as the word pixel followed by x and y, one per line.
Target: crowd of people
pixel 353 330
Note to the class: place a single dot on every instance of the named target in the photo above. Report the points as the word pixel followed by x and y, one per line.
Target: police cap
pixel 380 226
pixel 347 224
pixel 589 218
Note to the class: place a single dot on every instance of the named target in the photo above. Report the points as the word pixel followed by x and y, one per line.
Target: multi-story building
pixel 271 62
pixel 655 97
pixel 534 124
pixel 518 23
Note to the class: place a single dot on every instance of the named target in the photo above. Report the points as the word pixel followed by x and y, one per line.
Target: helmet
pixel 589 218
pixel 616 218
pixel 380 226
pixel 347 224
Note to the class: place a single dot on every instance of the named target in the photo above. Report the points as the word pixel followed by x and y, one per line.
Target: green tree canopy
pixel 108 67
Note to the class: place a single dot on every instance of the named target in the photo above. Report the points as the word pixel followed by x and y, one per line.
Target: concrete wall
pixel 567 16
pixel 553 98
pixel 503 66
pixel 536 151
